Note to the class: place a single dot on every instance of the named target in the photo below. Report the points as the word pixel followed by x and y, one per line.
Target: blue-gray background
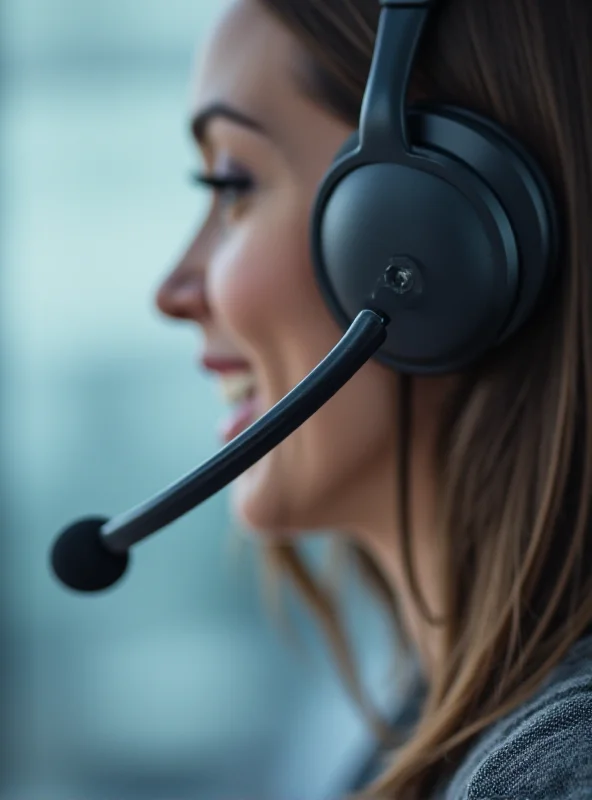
pixel 176 685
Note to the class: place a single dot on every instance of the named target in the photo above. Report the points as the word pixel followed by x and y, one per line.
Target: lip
pixel 223 365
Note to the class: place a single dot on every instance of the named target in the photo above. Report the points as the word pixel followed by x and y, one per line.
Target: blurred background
pixel 175 684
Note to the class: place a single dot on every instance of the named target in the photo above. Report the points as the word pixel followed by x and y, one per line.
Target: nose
pixel 182 293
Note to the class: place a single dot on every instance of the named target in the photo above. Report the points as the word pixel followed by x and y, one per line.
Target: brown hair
pixel 515 453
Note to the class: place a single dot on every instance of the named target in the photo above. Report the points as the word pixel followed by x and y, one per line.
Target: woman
pixel 494 596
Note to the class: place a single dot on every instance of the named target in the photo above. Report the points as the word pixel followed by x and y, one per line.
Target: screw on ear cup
pixel 468 207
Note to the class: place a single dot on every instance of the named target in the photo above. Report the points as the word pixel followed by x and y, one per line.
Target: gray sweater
pixel 543 749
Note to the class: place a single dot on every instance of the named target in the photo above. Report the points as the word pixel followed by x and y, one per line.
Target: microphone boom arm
pixel 362 339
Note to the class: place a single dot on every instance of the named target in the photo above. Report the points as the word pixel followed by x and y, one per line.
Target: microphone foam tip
pixel 81 561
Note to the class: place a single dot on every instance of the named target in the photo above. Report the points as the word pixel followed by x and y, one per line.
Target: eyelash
pixel 224 185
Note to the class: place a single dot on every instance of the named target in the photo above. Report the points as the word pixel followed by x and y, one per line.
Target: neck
pixel 382 540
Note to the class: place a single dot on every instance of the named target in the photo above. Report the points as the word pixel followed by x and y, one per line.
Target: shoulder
pixel 549 755
pixel 541 750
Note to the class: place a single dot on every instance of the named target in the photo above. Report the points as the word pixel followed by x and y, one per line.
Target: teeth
pixel 237 386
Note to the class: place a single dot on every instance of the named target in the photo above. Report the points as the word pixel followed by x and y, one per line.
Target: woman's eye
pixel 228 189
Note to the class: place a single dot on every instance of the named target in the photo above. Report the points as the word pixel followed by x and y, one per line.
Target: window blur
pixel 174 685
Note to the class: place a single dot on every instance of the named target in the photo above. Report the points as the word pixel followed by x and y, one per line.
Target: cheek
pixel 260 278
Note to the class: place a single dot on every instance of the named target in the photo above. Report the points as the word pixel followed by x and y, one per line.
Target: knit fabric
pixel 543 749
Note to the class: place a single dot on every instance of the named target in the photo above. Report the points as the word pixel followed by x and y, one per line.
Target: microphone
pixel 93 553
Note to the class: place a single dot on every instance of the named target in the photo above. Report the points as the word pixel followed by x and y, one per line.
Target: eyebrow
pixel 201 121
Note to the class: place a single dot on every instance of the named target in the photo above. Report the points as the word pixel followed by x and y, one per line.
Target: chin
pixel 269 506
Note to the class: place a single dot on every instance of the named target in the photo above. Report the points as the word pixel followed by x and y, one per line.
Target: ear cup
pixel 467 207
pixel 519 183
pixel 348 146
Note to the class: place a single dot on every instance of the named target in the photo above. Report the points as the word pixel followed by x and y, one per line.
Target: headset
pixel 434 236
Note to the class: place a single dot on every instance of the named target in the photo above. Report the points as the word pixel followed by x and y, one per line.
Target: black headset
pixel 448 203
pixel 434 236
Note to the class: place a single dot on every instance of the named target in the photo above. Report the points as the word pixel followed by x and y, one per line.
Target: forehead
pixel 248 62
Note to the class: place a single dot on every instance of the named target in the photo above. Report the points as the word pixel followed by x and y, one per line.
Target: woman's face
pixel 247 281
